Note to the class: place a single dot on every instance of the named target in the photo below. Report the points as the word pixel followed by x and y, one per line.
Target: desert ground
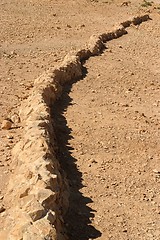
pixel 106 124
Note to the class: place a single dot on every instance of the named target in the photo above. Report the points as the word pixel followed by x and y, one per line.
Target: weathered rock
pixel 37 194
pixel 35 210
pixel 95 45
pixel 9 136
pixel 46 230
pixel 51 216
pixel 1 197
pixel 15 118
pixel 2 208
pixel 6 124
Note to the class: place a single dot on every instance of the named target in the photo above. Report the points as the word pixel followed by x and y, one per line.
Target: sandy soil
pixel 111 150
pixel 108 121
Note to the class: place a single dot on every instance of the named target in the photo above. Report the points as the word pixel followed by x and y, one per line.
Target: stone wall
pixel 37 193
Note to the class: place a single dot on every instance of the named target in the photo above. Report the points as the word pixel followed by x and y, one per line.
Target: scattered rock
pixel 156 171
pixel 43 174
pixel 6 124
pixel 82 26
pixel 2 209
pixel 127 3
pixel 1 197
pixel 69 26
pixel 7 146
pixel 10 137
pixel 15 118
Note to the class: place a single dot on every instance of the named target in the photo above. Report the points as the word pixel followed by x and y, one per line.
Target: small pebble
pixel 6 124
pixel 69 26
pixel 2 209
pixel 10 137
pixel 1 197
pixel 15 118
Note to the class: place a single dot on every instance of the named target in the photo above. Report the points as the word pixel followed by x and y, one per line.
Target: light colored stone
pixel 15 118
pixel 35 210
pixel 6 124
pixel 95 45
pixel 46 230
pixel 1 197
pixel 9 136
pixel 37 193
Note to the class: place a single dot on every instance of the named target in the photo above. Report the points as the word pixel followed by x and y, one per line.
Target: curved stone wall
pixel 37 193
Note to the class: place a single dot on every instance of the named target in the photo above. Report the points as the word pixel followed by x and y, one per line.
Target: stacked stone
pixel 37 193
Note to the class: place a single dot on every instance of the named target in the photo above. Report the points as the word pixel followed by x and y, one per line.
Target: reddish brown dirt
pixel 111 150
pixel 113 115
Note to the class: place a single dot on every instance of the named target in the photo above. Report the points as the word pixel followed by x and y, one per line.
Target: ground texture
pixel 107 123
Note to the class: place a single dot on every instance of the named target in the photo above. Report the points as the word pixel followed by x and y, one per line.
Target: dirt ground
pixel 107 124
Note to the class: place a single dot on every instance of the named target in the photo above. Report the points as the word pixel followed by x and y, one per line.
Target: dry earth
pixel 111 145
pixel 107 123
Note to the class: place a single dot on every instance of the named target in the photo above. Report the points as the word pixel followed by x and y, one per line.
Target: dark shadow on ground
pixel 77 219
